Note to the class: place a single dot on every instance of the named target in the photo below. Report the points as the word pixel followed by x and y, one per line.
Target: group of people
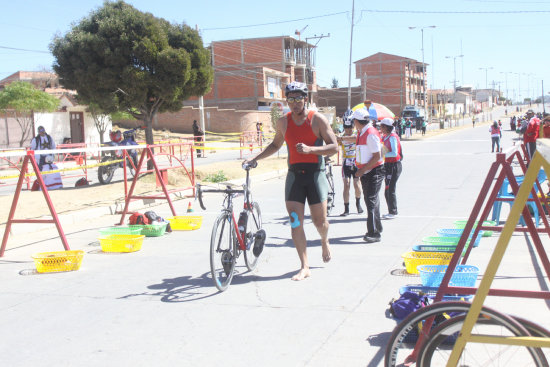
pixel 405 125
pixel 370 157
pixel 45 162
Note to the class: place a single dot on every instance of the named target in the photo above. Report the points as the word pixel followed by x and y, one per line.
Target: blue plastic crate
pixel 454 232
pixel 430 292
pixel 463 276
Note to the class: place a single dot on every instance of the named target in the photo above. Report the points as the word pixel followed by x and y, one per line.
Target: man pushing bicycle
pixel 304 132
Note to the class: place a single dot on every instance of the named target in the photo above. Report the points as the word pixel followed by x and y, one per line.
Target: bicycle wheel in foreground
pixel 400 347
pixel 254 224
pixel 223 251
pixel 437 349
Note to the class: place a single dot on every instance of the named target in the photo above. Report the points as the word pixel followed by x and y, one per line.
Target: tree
pixel 101 119
pixel 334 83
pixel 21 100
pixel 122 59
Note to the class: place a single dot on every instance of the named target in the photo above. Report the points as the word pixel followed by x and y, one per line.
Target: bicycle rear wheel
pixel 331 193
pixel 254 224
pixel 223 251
pixel 437 349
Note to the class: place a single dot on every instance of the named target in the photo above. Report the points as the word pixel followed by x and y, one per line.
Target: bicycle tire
pixel 437 349
pixel 129 162
pixel 331 193
pixel 105 173
pixel 223 251
pixel 254 224
pixel 401 345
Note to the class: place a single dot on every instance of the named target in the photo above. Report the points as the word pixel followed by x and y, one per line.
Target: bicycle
pixel 230 237
pixel 402 348
pixel 330 179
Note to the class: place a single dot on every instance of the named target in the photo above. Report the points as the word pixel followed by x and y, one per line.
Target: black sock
pixel 346 207
pixel 358 202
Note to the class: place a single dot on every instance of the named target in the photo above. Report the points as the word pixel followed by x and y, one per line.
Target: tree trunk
pixel 149 139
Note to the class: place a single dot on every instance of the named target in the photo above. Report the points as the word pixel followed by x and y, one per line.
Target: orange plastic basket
pixel 185 223
pixel 121 242
pixel 51 262
pixel 413 259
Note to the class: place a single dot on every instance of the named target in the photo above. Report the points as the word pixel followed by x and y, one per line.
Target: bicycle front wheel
pixel 223 251
pixel 401 348
pixel 254 224
pixel 437 349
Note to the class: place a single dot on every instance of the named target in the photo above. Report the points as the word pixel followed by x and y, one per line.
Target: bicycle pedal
pixel 259 241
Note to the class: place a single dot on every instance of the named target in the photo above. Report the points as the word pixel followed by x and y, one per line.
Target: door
pixel 77 127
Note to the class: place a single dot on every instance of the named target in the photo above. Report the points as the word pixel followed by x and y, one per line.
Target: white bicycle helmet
pixel 296 87
pixel 348 122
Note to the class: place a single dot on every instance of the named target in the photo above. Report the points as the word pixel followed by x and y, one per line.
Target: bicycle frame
pixel 228 207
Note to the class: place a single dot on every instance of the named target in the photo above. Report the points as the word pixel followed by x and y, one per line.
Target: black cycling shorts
pixel 306 181
pixel 349 171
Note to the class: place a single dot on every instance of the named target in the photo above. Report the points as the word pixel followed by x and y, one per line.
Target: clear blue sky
pixel 508 36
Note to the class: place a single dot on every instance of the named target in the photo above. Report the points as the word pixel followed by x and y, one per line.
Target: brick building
pixel 250 74
pixel 392 80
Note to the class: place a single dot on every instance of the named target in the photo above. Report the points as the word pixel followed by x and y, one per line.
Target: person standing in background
pixel 392 165
pixel 198 137
pixel 348 141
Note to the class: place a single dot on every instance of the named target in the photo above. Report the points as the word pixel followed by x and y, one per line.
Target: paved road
pixel 158 307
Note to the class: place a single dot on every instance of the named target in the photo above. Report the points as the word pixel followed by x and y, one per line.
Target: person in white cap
pixel 370 170
pixel 393 155
pixel 42 141
pixel 347 141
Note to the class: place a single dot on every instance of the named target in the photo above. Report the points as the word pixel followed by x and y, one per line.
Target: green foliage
pixel 216 177
pixel 123 59
pixel 334 83
pixel 20 100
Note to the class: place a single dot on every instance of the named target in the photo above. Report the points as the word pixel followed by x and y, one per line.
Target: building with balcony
pixel 250 74
pixel 392 80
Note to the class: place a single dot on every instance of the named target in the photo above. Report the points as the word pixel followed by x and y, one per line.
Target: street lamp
pixel 424 72
pixel 506 80
pixel 490 68
pixel 519 88
pixel 454 82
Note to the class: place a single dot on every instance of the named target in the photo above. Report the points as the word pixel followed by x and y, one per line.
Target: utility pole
pixel 350 52
pixel 424 99
pixel 364 84
pixel 454 83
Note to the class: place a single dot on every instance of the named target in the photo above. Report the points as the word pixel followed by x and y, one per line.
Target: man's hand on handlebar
pixel 252 163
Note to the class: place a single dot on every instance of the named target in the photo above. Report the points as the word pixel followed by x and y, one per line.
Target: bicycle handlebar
pixel 251 164
pixel 228 191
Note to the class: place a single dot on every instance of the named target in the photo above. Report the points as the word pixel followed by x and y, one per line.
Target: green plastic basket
pixel 462 223
pixel 103 232
pixel 151 230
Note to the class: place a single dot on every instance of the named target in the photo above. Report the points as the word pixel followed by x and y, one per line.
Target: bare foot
pixel 302 274
pixel 326 251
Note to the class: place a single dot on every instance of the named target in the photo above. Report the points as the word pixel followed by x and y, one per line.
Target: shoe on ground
pixel 389 216
pixel 360 210
pixel 372 239
pixel 344 214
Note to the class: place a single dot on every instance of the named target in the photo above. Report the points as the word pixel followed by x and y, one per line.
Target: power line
pixel 455 12
pixel 279 22
pixel 22 49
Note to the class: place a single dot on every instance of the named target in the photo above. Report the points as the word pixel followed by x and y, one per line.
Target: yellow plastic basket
pixel 121 242
pixel 51 262
pixel 185 223
pixel 414 258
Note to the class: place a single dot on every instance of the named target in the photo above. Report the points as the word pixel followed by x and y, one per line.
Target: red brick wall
pixel 215 120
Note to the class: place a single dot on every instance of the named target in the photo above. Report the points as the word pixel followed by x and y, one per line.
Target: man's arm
pixel 370 164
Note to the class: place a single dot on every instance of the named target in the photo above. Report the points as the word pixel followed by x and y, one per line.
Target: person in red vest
pixel 309 138
pixel 495 136
pixel 532 133
pixel 392 164
pixel 546 127
pixel 370 170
